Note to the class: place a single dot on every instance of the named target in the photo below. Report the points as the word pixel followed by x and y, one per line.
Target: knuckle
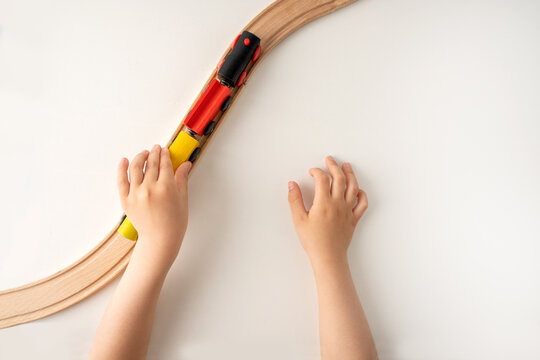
pixel 339 178
pixel 324 212
pixel 329 212
pixel 161 189
pixel 360 209
pixel 325 178
pixel 144 193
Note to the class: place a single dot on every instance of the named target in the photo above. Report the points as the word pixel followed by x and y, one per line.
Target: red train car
pixel 207 107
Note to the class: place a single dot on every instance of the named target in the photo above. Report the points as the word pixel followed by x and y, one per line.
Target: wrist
pixel 331 270
pixel 150 260
pixel 328 260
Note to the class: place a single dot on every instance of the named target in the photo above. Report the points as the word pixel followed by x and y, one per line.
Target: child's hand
pixel 156 202
pixel 325 233
pixel 326 230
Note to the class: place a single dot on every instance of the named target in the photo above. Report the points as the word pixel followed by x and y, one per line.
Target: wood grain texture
pixel 111 256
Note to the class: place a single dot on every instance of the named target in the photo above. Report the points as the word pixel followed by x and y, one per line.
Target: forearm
pixel 343 327
pixel 124 332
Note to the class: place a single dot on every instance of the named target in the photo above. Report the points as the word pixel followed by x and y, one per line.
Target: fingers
pixel 136 169
pixel 122 179
pixel 181 176
pixel 165 165
pixel 361 206
pixel 351 183
pixel 337 188
pixel 151 172
pixel 322 183
pixel 296 202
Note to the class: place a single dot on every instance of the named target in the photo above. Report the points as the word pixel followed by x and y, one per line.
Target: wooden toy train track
pixel 111 256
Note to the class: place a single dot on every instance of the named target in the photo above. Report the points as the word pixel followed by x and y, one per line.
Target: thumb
pixel 181 176
pixel 296 202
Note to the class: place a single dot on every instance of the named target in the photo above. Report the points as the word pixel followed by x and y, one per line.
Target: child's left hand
pixel 156 202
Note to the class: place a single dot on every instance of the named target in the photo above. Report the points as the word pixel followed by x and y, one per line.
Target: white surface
pixel 435 103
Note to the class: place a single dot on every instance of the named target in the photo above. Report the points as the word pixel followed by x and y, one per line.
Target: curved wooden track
pixel 111 256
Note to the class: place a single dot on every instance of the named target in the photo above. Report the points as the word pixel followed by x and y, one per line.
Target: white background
pixel 435 104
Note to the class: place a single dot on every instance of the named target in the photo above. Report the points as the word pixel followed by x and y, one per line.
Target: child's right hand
pixel 326 230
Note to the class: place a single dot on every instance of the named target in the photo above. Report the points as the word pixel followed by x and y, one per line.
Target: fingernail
pixel 347 166
pixel 291 185
pixel 189 165
pixel 329 157
pixel 146 151
pixel 156 147
pixel 164 148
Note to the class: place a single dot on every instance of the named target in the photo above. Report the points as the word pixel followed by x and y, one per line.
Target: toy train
pixel 201 119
